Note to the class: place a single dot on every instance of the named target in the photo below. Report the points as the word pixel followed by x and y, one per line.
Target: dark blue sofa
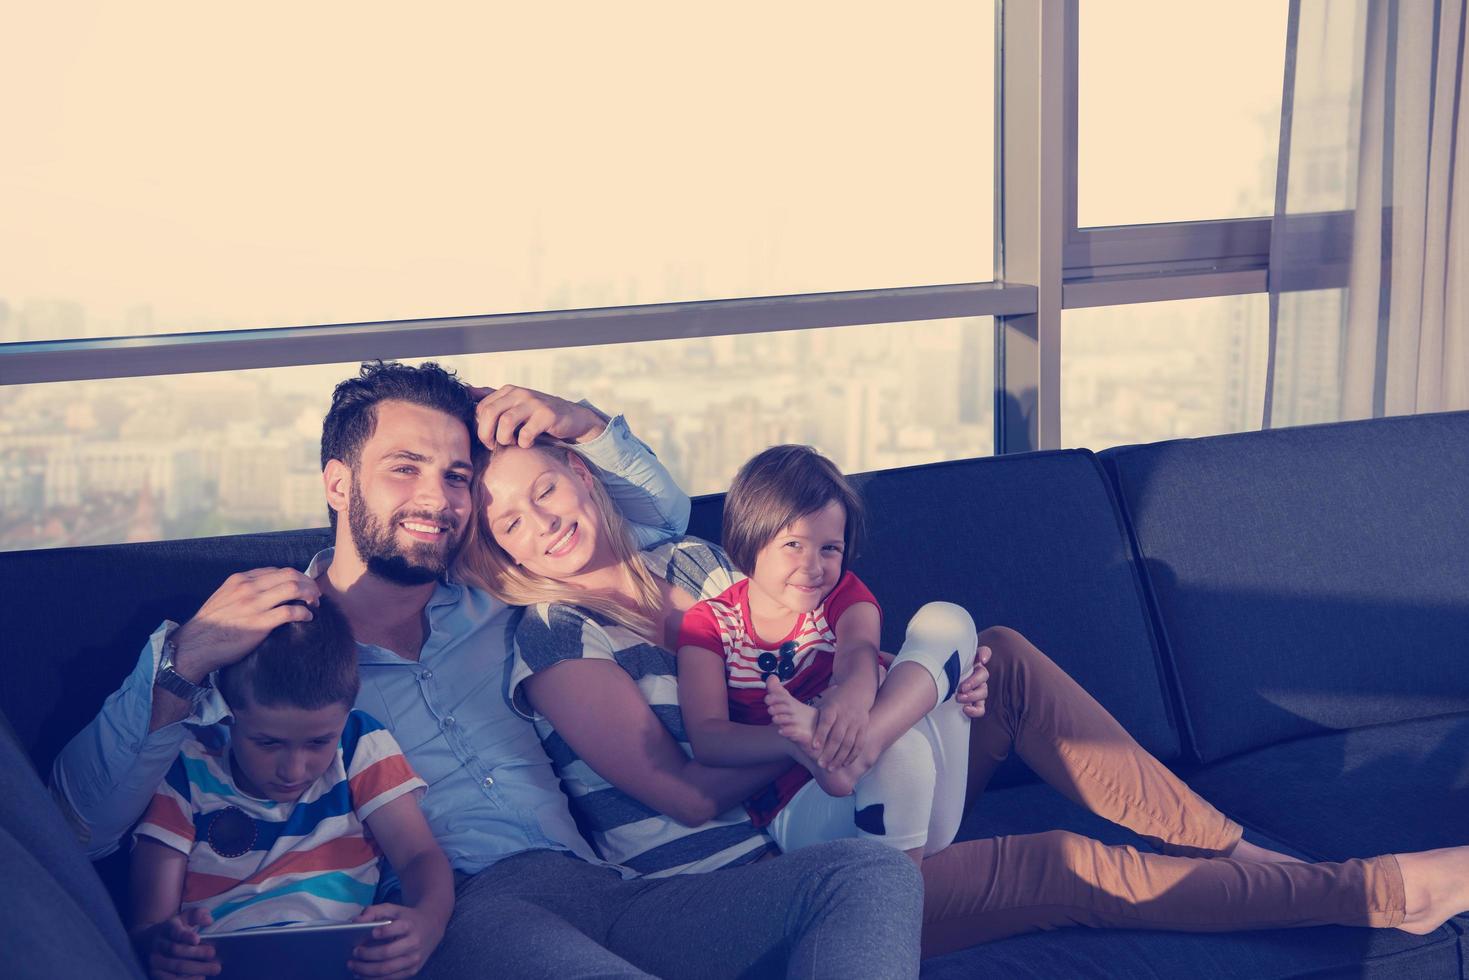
pixel 1283 617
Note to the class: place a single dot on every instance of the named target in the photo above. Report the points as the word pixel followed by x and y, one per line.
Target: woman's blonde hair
pixel 483 563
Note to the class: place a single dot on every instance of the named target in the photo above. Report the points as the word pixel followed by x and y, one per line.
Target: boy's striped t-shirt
pixel 255 862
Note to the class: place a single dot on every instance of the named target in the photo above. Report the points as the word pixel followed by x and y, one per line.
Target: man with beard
pixel 532 897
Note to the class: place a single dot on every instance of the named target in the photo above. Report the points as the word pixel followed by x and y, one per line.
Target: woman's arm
pixel 403 945
pixel 704 701
pixel 597 708
pixel 655 506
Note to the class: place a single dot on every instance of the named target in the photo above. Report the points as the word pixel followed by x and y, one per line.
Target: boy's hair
pixel 309 665
pixel 352 418
pixel 775 489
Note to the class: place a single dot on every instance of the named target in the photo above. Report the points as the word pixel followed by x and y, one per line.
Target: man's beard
pixel 378 546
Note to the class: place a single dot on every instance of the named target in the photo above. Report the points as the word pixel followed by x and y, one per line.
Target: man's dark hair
pixel 308 665
pixel 778 487
pixel 353 415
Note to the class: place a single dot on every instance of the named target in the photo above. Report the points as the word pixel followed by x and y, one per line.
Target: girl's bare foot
pixel 794 720
pixel 797 723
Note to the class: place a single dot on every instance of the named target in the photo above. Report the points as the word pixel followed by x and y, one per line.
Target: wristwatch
pixel 172 681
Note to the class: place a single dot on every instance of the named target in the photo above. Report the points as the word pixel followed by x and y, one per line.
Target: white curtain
pixel 1373 191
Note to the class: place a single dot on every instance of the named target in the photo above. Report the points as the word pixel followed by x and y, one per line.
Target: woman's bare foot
pixel 794 720
pixel 1245 851
pixel 1435 887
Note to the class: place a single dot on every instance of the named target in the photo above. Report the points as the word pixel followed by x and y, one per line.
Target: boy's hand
pixel 974 690
pixel 841 723
pixel 399 948
pixel 175 952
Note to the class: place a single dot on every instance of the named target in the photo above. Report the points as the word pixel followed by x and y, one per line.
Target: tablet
pixel 311 949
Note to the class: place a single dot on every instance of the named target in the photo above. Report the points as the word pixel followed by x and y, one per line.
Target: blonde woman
pixel 594 669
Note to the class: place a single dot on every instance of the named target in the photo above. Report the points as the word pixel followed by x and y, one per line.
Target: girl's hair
pixel 774 490
pixel 483 563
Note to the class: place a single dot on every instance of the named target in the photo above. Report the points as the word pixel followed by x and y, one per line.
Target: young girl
pixel 786 661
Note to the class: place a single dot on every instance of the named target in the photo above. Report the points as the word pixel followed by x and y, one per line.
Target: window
pixel 1153 371
pixel 187 167
pixel 598 172
pixel 196 455
pixel 1178 109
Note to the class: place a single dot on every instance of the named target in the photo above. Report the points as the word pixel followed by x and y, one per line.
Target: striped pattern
pixel 623 830
pixel 310 860
pixel 722 625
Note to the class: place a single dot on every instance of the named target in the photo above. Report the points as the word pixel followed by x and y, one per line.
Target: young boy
pixel 284 818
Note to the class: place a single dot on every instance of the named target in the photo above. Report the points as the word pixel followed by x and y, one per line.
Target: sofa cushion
pixel 1276 953
pixel 55 915
pixel 1309 579
pixel 75 619
pixel 1032 541
pixel 1403 786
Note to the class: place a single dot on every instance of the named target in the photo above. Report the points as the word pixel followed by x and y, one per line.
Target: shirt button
pixel 427 675
pixel 489 781
pixel 449 722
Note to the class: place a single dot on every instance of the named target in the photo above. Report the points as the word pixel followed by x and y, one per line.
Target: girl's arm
pixel 167 940
pixel 842 711
pixel 403 945
pixel 704 701
pixel 596 707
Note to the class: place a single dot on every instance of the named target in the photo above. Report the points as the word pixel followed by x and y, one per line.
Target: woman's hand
pixel 174 950
pixel 509 416
pixel 400 947
pixel 974 690
pixel 841 726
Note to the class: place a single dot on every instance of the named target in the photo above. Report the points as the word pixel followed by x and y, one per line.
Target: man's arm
pixel 645 492
pixel 105 776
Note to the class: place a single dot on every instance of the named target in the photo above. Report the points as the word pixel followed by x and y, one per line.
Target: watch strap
pixel 172 681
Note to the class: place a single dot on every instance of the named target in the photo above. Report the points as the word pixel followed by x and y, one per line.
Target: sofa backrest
pixel 1033 541
pixel 75 619
pixel 1307 579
